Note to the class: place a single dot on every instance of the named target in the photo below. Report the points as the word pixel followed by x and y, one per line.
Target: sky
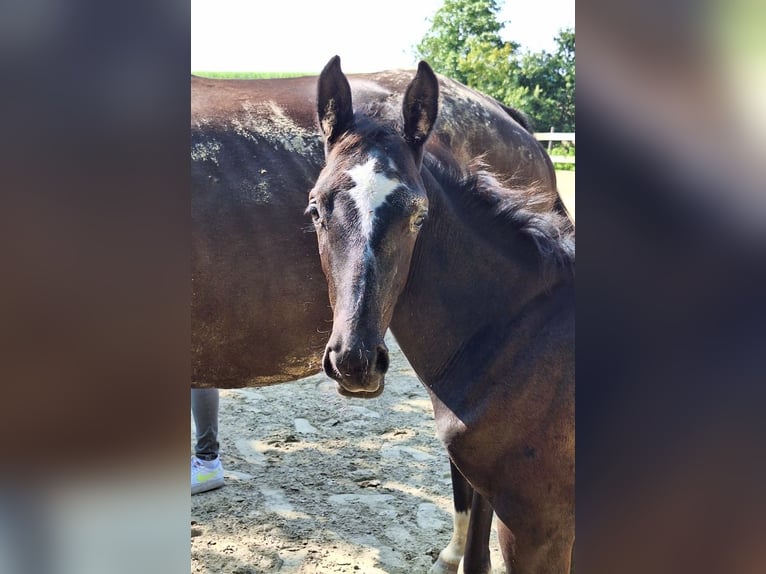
pixel 302 35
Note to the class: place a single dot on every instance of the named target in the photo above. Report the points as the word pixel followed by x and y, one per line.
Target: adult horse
pixel 260 311
pixel 479 291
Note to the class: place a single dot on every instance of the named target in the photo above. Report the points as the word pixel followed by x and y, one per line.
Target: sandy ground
pixel 319 483
pixel 566 185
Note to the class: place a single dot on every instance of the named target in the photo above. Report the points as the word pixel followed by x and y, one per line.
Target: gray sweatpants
pixel 204 404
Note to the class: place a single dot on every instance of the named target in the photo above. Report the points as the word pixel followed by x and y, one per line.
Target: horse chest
pixel 459 430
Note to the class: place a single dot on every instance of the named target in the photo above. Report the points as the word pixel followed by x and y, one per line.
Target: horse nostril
pixel 327 363
pixel 381 360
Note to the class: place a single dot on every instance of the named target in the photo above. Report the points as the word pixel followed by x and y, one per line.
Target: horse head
pixel 368 205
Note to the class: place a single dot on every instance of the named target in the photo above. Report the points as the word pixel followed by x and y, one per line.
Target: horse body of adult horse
pixel 479 291
pixel 260 310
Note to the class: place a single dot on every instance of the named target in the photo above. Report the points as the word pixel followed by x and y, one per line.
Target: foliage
pixel 460 28
pixel 464 43
pixel 549 81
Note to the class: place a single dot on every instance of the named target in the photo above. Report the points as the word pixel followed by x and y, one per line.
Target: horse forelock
pixel 508 217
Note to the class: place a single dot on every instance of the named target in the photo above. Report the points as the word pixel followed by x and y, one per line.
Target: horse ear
pixel 421 103
pixel 334 109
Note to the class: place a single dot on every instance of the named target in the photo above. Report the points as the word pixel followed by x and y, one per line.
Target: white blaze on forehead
pixel 370 191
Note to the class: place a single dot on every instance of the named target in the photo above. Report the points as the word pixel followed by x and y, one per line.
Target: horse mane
pixel 508 218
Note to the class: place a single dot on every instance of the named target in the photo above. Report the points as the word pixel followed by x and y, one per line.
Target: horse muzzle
pixel 357 371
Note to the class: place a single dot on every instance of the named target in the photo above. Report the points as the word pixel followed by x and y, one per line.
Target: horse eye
pixel 419 220
pixel 313 211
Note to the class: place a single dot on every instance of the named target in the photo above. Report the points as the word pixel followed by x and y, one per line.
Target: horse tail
pixel 518 116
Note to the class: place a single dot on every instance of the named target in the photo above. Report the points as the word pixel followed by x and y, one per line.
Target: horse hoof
pixel 441 567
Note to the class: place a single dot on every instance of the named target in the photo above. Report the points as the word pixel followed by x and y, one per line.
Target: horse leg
pixel 476 559
pixel 527 554
pixel 462 497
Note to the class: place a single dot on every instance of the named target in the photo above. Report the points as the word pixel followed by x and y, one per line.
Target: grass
pixel 563 148
pixel 251 75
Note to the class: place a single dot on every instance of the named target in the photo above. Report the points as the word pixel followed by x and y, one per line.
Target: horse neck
pixel 461 289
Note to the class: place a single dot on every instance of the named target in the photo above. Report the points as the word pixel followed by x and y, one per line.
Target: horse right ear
pixel 419 108
pixel 334 109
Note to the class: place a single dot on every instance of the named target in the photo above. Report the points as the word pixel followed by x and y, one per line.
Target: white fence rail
pixel 557 137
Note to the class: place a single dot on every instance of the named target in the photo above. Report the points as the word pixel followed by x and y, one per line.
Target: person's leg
pixel 206 469
pixel 204 404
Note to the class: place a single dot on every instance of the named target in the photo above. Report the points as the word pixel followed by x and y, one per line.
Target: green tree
pixel 464 43
pixel 548 81
pixel 459 29
pixel 494 71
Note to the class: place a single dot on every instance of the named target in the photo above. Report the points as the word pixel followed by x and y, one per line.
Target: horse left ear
pixel 334 107
pixel 420 105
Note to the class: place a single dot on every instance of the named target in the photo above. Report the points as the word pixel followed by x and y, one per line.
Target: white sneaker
pixel 205 474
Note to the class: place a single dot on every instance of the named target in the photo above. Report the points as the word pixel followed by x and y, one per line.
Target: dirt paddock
pixel 317 483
